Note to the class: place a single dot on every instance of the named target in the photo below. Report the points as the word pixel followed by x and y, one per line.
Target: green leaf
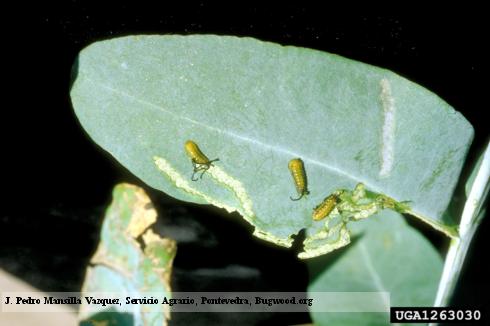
pixel 474 171
pixel 477 189
pixel 257 105
pixel 386 255
pixel 122 266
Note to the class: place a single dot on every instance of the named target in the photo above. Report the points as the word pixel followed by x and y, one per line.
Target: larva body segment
pixel 325 208
pixel 195 153
pixel 200 162
pixel 298 173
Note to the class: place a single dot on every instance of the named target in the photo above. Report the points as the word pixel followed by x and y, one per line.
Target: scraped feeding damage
pixel 388 131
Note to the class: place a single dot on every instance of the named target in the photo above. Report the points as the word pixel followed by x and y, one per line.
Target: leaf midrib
pixel 239 137
pixel 378 284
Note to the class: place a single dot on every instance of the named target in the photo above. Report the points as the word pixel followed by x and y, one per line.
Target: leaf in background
pixel 386 255
pixel 121 265
pixel 255 106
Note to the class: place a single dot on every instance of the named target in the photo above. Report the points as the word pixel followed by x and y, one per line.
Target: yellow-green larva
pixel 200 162
pixel 298 172
pixel 326 207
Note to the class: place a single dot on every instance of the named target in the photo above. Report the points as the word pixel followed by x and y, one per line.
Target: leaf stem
pixel 470 220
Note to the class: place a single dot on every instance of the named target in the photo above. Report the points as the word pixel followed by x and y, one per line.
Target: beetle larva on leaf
pixel 298 172
pixel 326 207
pixel 200 162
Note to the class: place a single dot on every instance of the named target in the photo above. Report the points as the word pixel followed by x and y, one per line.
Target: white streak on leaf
pixel 312 249
pixel 374 275
pixel 246 206
pixel 389 124
pixel 164 166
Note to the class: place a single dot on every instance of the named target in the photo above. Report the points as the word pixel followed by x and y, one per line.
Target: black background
pixel 58 181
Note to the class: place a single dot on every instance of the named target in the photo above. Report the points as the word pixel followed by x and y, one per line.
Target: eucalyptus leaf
pixel 121 265
pixel 471 178
pixel 257 105
pixel 386 255
pixel 477 189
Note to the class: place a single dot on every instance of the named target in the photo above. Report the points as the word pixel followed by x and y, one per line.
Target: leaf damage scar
pixel 340 208
pixel 222 178
pixel 388 130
